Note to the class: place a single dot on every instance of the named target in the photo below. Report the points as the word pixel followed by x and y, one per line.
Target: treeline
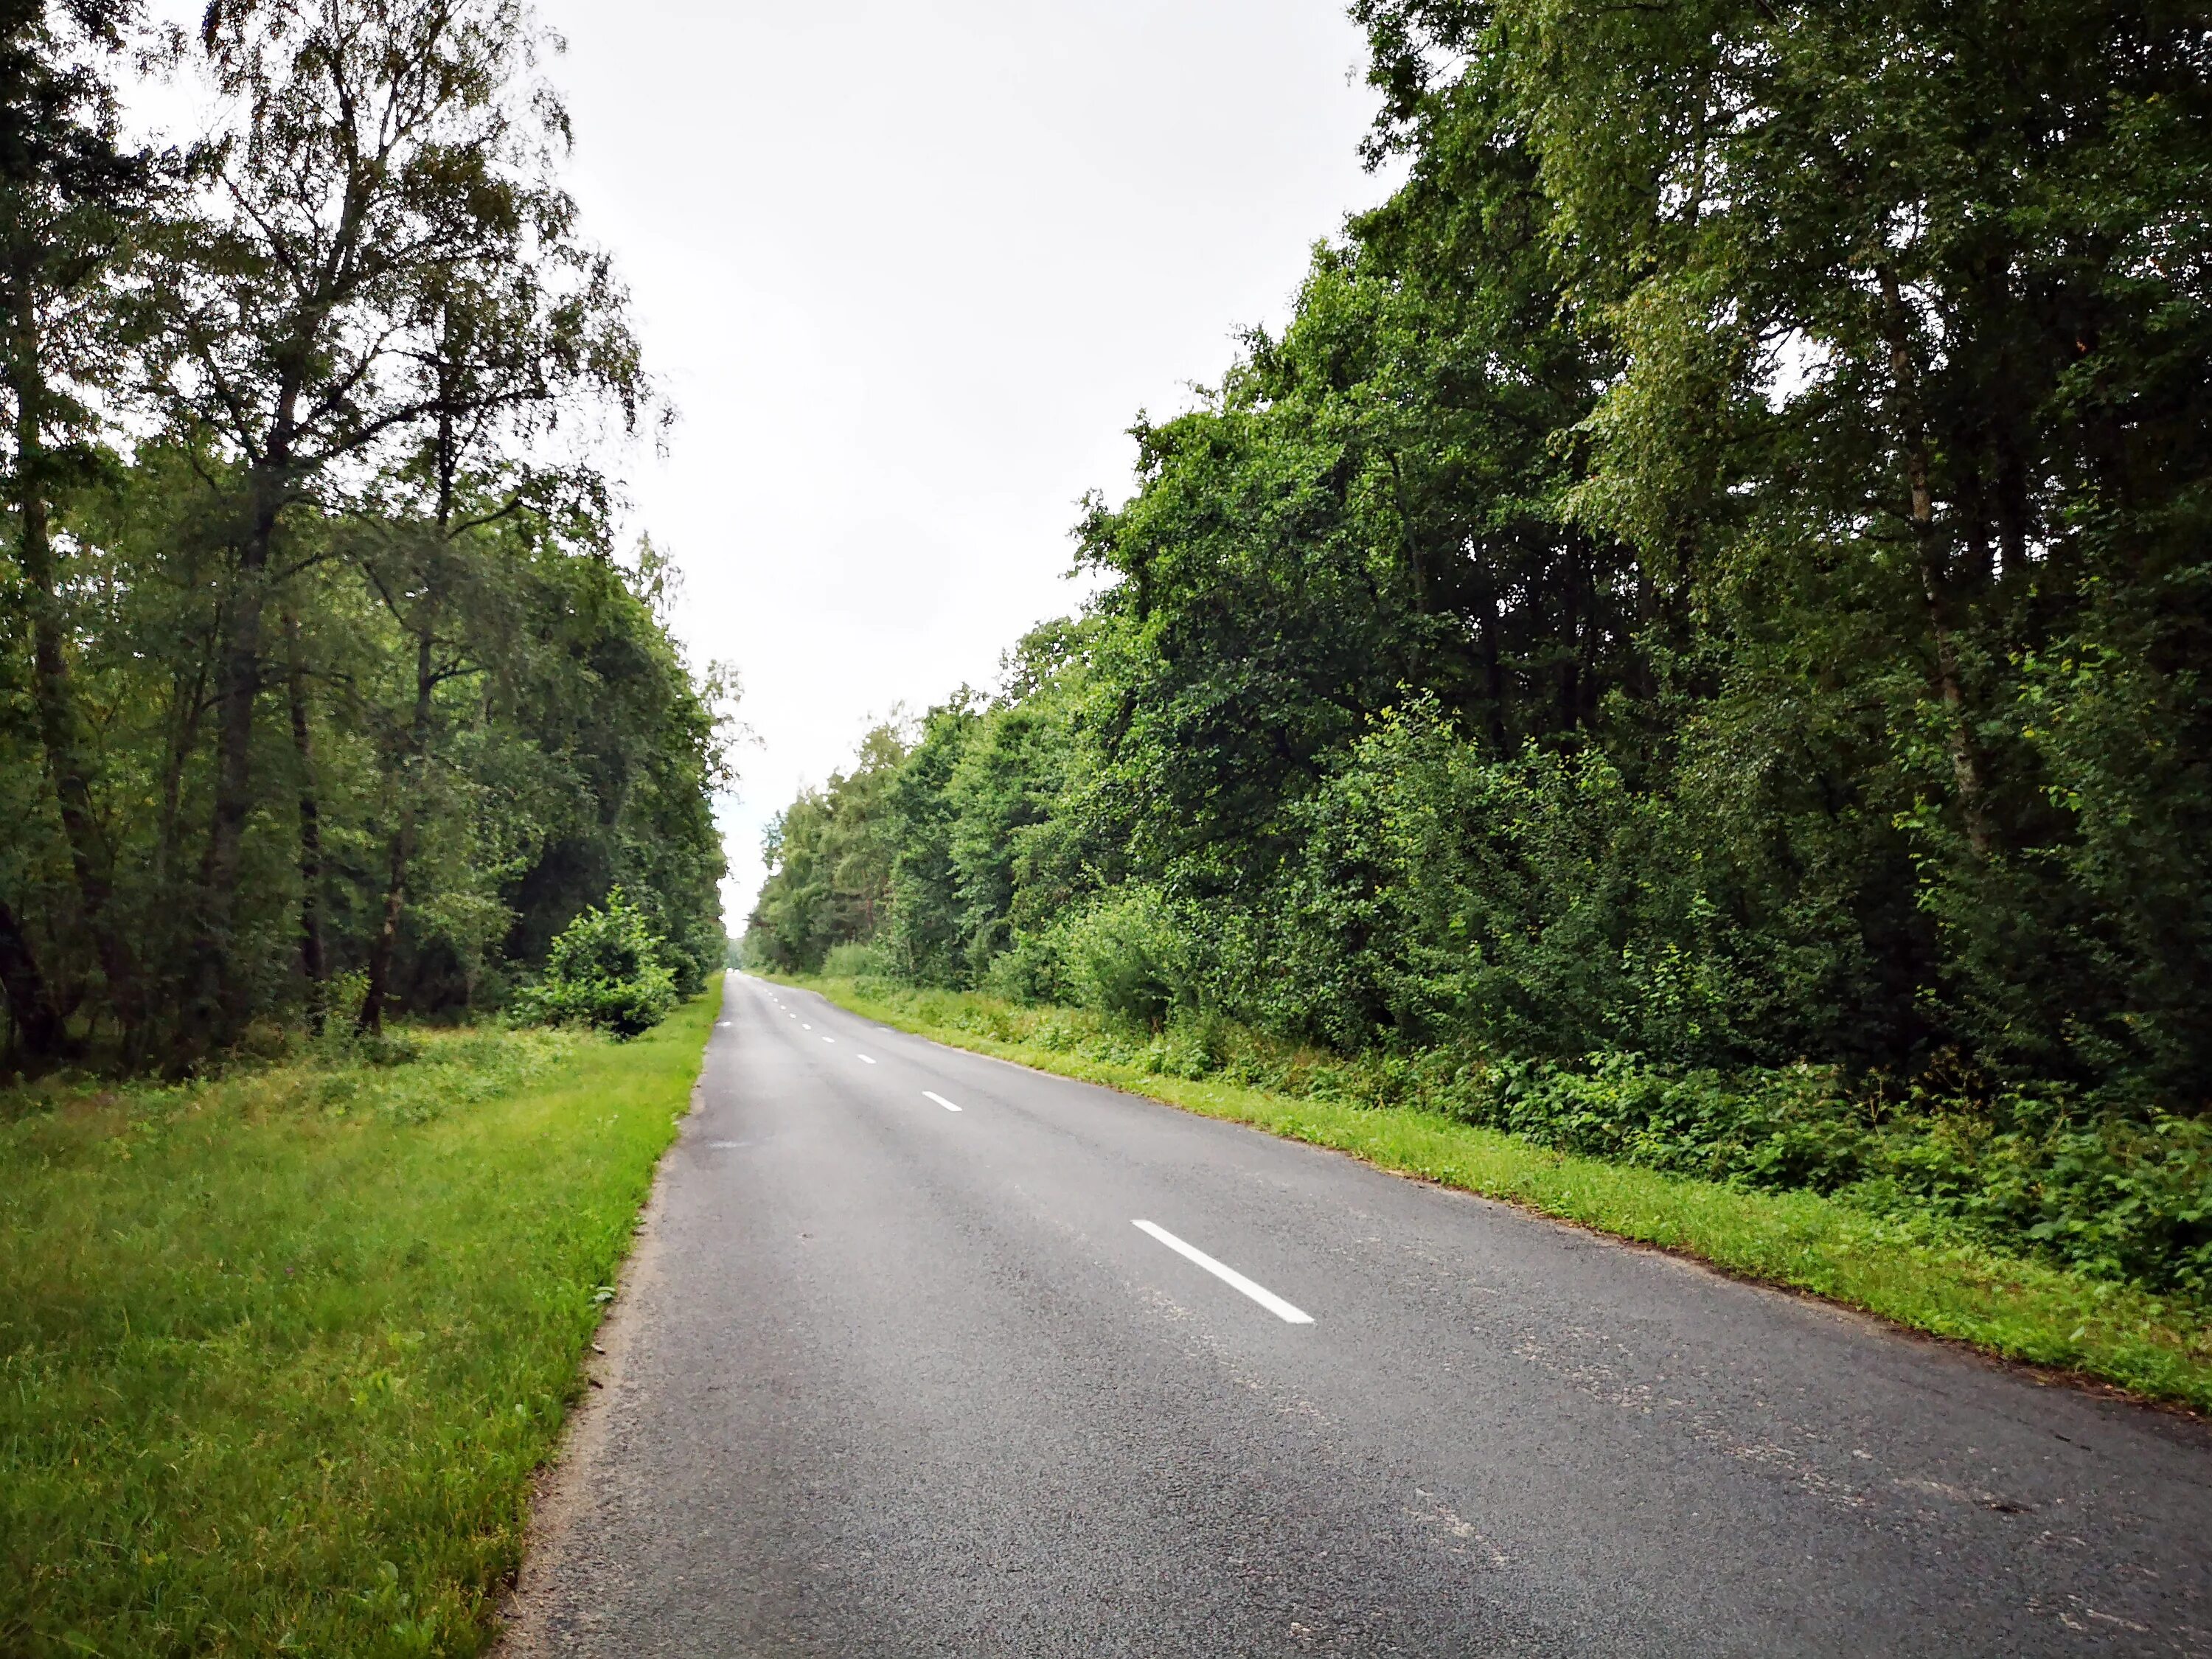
pixel 323 692
pixel 1714 572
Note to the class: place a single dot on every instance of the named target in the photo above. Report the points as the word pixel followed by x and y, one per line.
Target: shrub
pixel 607 968
pixel 1031 971
pixel 1125 957
pixel 854 960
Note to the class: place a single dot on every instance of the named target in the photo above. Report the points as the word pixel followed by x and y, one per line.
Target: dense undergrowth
pixel 2103 1193
pixel 279 1349
pixel 2112 1197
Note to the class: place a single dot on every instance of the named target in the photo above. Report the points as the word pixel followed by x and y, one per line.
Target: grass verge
pixel 279 1352
pixel 2157 1347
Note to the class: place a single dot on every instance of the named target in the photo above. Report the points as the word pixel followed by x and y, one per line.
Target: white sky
pixel 909 269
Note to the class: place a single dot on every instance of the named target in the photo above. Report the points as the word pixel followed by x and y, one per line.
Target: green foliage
pixel 606 968
pixel 943 843
pixel 2109 1197
pixel 322 692
pixel 283 1351
pixel 852 960
pixel 829 854
pixel 1127 957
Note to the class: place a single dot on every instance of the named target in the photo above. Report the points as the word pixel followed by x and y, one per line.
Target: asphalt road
pixel 898 1379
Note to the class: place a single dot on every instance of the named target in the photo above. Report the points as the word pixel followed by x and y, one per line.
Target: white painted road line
pixel 803 1025
pixel 828 1039
pixel 931 1094
pixel 1229 1276
pixel 864 1059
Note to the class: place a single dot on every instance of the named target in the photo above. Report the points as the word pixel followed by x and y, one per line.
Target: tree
pixel 831 859
pixel 71 195
pixel 504 362
pixel 385 149
pixel 310 424
pixel 1712 567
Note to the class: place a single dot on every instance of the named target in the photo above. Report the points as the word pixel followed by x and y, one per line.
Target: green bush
pixel 1125 957
pixel 857 961
pixel 607 968
pixel 1032 970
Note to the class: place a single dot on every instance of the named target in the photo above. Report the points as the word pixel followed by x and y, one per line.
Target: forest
pixel 327 691
pixel 1689 644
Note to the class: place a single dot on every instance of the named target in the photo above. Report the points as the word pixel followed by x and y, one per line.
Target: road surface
pixel 1065 1372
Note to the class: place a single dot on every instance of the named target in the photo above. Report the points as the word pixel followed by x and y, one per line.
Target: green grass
pixel 2157 1347
pixel 279 1353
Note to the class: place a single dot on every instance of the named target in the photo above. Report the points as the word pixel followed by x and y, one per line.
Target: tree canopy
pixel 1713 569
pixel 325 688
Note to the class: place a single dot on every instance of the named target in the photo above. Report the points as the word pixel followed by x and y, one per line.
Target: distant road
pixel 1065 1372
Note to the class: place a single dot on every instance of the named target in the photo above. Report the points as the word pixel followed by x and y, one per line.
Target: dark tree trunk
pixel 1642 684
pixel 68 763
pixel 2012 502
pixel 216 1010
pixel 1965 764
pixel 1973 509
pixel 1570 633
pixel 1493 666
pixel 386 946
pixel 312 965
pixel 188 696
pixel 38 1025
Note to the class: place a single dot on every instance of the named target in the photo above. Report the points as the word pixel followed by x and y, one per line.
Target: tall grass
pixel 279 1352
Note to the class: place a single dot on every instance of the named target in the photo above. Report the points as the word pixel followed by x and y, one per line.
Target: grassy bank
pixel 279 1352
pixel 1919 1274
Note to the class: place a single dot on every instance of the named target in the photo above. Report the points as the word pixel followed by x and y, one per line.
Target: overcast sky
pixel 908 271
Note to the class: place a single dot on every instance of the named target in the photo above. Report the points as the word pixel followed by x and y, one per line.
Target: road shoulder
pixel 561 1488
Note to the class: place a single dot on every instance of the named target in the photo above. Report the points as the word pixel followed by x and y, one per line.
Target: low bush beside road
pixel 608 969
pixel 2041 1237
pixel 279 1351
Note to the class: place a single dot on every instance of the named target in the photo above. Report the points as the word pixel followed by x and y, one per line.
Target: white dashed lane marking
pixel 1229 1276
